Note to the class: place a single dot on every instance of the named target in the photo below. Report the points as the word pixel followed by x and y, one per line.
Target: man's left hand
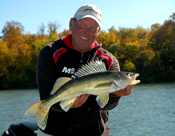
pixel 124 92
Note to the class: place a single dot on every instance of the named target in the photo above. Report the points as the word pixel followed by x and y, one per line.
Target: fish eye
pixel 128 74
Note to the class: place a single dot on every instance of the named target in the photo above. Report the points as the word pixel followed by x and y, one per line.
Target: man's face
pixel 84 33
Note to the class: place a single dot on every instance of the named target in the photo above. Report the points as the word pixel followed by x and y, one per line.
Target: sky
pixel 117 13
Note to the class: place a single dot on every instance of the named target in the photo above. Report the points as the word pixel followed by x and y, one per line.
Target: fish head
pixel 121 79
pixel 129 78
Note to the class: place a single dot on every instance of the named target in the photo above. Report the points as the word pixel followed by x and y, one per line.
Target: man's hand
pixel 80 100
pixel 124 92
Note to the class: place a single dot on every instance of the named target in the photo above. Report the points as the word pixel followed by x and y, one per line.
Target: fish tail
pixel 40 114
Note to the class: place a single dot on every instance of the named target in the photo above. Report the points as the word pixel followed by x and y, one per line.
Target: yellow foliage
pixel 107 38
pixel 3 48
pixel 128 66
pixel 3 57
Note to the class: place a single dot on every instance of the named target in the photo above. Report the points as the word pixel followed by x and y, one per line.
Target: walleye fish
pixel 92 78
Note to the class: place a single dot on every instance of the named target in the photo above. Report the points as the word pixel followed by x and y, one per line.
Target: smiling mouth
pixel 84 38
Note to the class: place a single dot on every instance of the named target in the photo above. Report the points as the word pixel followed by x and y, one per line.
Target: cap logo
pixel 92 10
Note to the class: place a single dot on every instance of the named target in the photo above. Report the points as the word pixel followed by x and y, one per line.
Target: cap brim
pixel 89 16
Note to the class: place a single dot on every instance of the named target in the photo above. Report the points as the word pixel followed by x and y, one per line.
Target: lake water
pixel 148 111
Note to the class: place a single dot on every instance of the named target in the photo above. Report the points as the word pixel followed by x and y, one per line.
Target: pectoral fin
pixel 66 104
pixel 102 99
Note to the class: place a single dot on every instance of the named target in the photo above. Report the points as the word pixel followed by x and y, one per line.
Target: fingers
pixel 124 92
pixel 131 86
pixel 128 90
pixel 80 100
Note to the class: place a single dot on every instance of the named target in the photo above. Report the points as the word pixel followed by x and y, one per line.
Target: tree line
pixel 150 52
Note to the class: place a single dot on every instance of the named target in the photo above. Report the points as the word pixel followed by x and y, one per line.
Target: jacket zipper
pixel 81 60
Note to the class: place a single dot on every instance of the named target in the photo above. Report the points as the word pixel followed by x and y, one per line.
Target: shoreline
pixel 35 87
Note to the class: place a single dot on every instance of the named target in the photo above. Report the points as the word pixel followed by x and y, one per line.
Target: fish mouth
pixel 133 78
pixel 84 38
pixel 130 78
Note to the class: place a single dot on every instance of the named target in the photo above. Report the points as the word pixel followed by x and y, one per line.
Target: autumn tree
pixel 3 63
pixel 141 33
pixel 162 42
pixel 41 31
pixel 107 38
pixel 172 17
pixel 151 53
pixel 113 29
pixel 64 33
pixel 18 55
pixel 12 28
pixel 53 27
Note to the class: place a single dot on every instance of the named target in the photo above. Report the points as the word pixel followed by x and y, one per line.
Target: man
pixel 62 58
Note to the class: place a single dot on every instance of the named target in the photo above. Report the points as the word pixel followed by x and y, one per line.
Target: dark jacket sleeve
pixel 113 99
pixel 115 64
pixel 46 72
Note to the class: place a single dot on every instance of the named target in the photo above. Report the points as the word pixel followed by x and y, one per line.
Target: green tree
pixel 172 17
pixel 155 26
pixel 128 66
pixel 113 49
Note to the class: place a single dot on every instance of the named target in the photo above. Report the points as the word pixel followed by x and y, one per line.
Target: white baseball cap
pixel 89 11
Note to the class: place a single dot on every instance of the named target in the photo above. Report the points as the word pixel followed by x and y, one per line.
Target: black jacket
pixel 59 60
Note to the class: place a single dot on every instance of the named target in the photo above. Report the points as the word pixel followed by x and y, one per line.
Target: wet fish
pixel 92 78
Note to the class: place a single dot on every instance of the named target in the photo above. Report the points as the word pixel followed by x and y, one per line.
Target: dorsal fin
pixel 91 67
pixel 59 82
